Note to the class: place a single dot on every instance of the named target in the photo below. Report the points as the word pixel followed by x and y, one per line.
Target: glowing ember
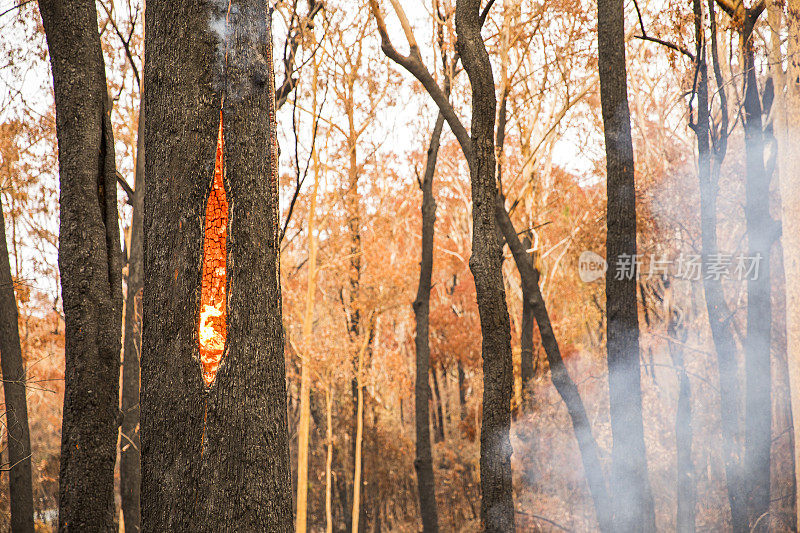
pixel 212 327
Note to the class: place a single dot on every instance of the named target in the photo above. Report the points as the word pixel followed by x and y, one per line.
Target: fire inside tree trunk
pixel 215 453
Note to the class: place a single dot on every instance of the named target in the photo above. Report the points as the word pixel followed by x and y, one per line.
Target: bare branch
pixel 414 65
pixel 125 186
pixel 668 44
pixel 12 8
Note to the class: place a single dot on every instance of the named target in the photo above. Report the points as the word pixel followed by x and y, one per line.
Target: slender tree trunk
pixel 353 211
pixel 686 486
pixel 130 443
pixel 423 463
pixel 497 502
pixel 90 264
pixel 760 235
pixel 790 201
pixel 437 395
pixel 20 483
pixel 719 315
pixel 780 138
pixel 359 441
pixel 566 387
pixel 462 390
pixel 214 457
pixel 328 459
pixel 718 312
pixel 305 375
pixel 526 335
pixel 633 500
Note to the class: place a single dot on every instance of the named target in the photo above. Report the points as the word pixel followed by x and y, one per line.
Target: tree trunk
pixel 760 235
pixel 462 390
pixel 590 452
pixel 90 266
pixel 633 500
pixel 497 502
pixel 526 335
pixel 777 132
pixel 130 443
pixel 790 201
pixel 437 405
pixel 718 312
pixel 308 316
pixel 423 462
pixel 20 484
pixel 328 460
pixel 216 457
pixel 357 513
pixel 686 486
pixel 719 315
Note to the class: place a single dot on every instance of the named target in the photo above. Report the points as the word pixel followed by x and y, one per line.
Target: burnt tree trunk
pixel 761 233
pixel 20 484
pixel 566 387
pixel 526 335
pixel 686 487
pixel 423 462
pixel 214 458
pixel 633 500
pixel 89 260
pixel 130 442
pixel 437 397
pixel 719 315
pixel 497 502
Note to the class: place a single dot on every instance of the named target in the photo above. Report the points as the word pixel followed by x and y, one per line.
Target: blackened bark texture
pixel 590 452
pixel 686 486
pixel 213 459
pixel 20 484
pixel 526 335
pixel 719 315
pixel 462 391
pixel 437 405
pixel 130 442
pixel 761 233
pixel 423 462
pixel 497 502
pixel 633 500
pixel 89 260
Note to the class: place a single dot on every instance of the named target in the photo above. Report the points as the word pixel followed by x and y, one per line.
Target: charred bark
pixel 20 479
pixel 423 462
pixel 719 315
pixel 686 487
pixel 497 502
pixel 633 500
pixel 130 442
pixel 90 265
pixel 213 458
pixel 566 387
pixel 526 335
pixel 761 233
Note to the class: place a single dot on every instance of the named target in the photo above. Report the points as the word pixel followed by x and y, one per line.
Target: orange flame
pixel 212 327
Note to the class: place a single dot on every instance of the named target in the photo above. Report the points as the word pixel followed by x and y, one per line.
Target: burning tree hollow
pixel 212 326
